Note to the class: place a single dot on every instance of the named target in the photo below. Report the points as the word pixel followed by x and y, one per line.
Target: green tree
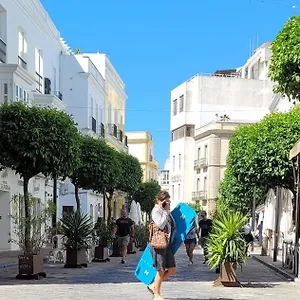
pixel 131 173
pixel 195 206
pixel 145 195
pixel 236 196
pixel 285 62
pixel 36 140
pixel 111 176
pixel 258 153
pixel 90 171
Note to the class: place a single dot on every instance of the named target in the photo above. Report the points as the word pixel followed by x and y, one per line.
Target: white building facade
pixel 96 98
pixel 243 95
pixel 164 176
pixel 30 49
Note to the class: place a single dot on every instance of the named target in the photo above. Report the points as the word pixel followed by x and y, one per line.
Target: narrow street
pixel 115 281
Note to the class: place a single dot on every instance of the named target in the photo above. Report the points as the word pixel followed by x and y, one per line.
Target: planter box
pixel 31 266
pixel 116 250
pixel 101 254
pixel 228 275
pixel 76 259
pixel 130 248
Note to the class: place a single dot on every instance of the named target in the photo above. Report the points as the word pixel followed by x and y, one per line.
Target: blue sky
pixel 157 44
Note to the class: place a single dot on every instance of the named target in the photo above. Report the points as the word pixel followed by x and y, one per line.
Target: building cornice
pixel 218 128
pixel 109 77
pixel 16 69
pixel 37 14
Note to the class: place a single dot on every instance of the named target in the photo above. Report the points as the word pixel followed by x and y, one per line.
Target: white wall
pixel 82 83
pixel 30 17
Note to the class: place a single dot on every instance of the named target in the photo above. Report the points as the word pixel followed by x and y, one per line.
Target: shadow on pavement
pixel 200 298
pixel 253 275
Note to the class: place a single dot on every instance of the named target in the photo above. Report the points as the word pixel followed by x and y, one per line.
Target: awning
pixel 295 150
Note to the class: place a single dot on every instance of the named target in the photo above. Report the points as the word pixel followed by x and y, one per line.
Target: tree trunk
pixel 109 208
pixel 54 216
pixel 27 229
pixel 77 197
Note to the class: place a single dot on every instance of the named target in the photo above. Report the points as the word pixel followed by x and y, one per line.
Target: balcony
pixel 199 195
pixel 51 101
pixel 94 125
pixel 112 130
pixel 22 63
pixel 120 136
pixel 102 130
pixel 200 163
pixel 115 137
pixel 38 82
pixel 59 95
pixel 2 51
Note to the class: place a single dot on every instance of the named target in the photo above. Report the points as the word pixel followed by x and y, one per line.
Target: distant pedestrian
pixel 191 242
pixel 205 226
pixel 248 236
pixel 123 231
pixel 260 233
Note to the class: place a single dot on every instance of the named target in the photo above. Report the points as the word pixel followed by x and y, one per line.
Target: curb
pixel 288 276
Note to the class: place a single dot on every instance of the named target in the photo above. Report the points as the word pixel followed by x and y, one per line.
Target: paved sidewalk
pixel 116 281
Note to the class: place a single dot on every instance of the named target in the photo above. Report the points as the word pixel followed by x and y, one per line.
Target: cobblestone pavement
pixel 116 281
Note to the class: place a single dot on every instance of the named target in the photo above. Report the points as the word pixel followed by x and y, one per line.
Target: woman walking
pixel 164 259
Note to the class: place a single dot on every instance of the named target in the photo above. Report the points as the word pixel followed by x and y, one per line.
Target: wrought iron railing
pixel 199 195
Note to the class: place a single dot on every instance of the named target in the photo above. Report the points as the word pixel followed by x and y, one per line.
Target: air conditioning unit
pixel 47 86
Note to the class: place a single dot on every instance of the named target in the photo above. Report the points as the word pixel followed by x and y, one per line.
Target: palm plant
pixel 78 230
pixel 227 244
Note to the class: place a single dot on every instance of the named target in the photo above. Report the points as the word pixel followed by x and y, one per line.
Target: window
pixel 21 93
pixel 25 96
pixel 178 191
pixel 173 163
pixel 205 151
pixel 109 114
pixel 39 70
pixel 3 33
pixel 54 80
pixel 199 153
pixel 91 212
pixel 22 49
pixel 17 93
pixel 181 100
pixel 190 131
pixel 179 162
pixel 116 117
pixel 97 116
pixel 205 184
pixel 5 92
pixel 173 192
pixel 198 184
pixel 67 210
pixel 175 107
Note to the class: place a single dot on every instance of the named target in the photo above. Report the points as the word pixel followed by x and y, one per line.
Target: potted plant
pixel 77 229
pixel 104 239
pixel 227 247
pixel 30 260
pixel 141 236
